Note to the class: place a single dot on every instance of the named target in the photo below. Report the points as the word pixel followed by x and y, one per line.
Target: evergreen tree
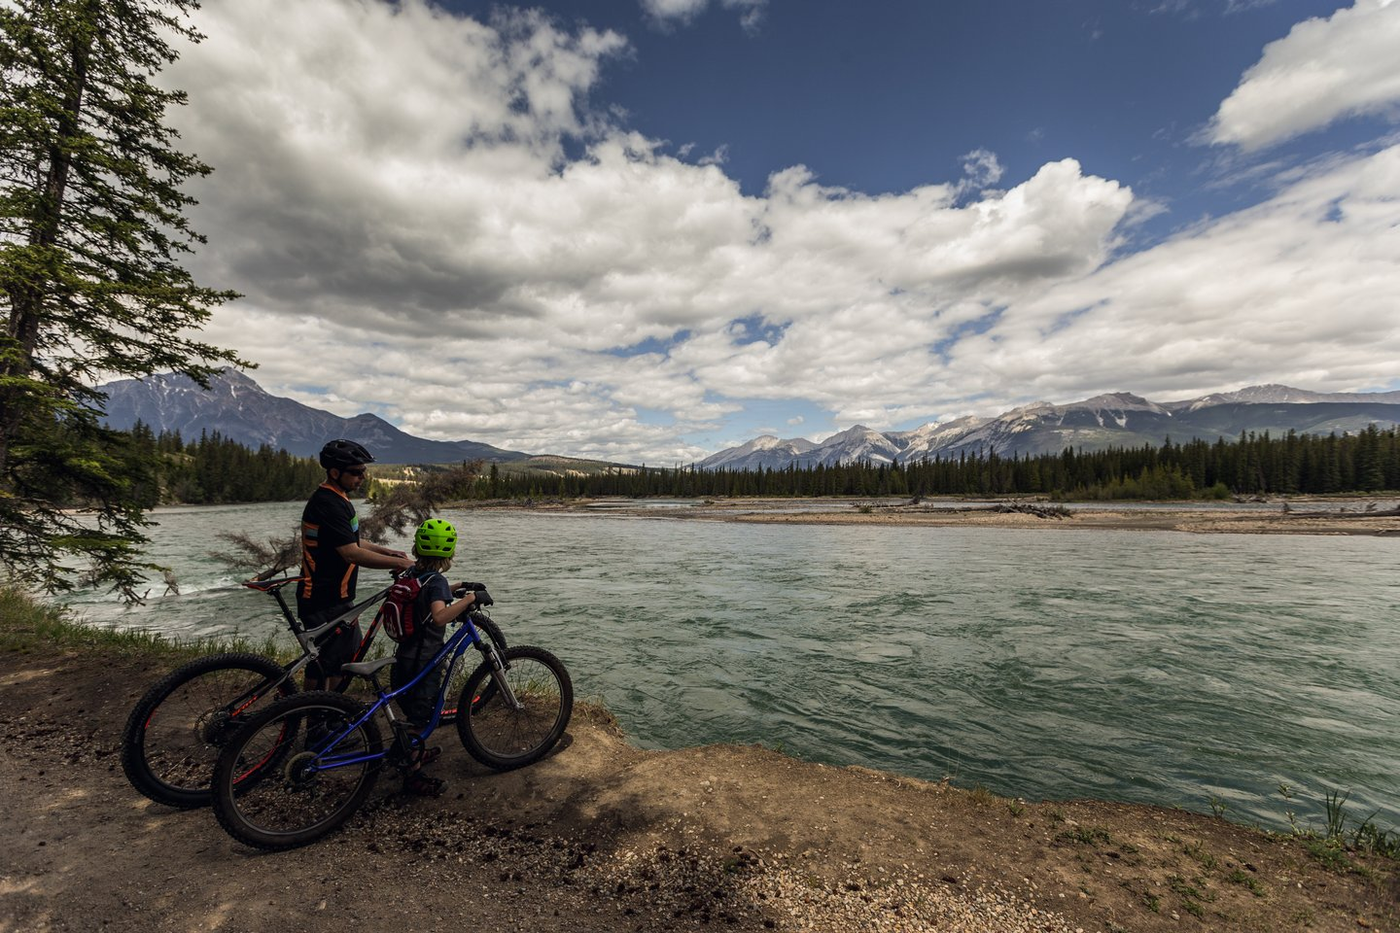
pixel 91 231
pixel 1370 469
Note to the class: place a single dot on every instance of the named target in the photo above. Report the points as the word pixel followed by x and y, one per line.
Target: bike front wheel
pixel 287 780
pixel 175 731
pixel 460 672
pixel 505 735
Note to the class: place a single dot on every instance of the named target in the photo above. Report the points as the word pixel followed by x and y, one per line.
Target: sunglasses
pixel 355 471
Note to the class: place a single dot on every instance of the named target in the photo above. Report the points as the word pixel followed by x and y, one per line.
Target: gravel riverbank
pixel 1348 516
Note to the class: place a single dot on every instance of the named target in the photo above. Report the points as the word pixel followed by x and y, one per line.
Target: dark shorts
pixel 417 705
pixel 337 647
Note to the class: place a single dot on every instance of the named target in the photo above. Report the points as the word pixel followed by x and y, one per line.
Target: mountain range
pixel 1120 419
pixel 238 408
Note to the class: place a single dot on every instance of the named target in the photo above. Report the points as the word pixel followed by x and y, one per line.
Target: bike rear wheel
pixel 175 731
pixel 502 736
pixel 276 787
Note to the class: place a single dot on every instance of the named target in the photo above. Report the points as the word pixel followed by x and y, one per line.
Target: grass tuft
pixel 982 796
pixel 1197 851
pixel 1335 802
pixel 1085 836
pixel 1242 877
pixel 1373 840
pixel 1330 855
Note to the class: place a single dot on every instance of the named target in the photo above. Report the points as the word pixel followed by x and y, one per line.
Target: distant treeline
pixel 1254 464
pixel 214 469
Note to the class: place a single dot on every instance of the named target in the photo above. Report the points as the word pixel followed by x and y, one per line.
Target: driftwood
pixel 264 559
pixel 406 505
pixel 1369 512
pixel 1039 511
pixel 1025 508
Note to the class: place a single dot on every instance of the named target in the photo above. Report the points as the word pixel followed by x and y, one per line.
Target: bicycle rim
pixel 269 790
pixel 177 730
pixel 502 736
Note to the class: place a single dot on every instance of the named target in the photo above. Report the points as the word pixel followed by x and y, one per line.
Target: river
pixel 1152 667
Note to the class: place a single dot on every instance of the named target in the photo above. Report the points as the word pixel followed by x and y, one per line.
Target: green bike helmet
pixel 435 538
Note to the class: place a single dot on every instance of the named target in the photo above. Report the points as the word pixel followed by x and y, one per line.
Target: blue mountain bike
pixel 302 767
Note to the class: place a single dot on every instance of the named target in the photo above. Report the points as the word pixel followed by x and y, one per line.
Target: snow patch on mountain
pixel 755 453
pixel 1114 418
pixel 239 409
pixel 857 443
pixel 1274 394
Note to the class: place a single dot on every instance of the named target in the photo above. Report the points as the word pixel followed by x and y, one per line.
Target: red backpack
pixel 399 611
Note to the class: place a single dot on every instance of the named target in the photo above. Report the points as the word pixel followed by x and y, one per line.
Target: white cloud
pixel 1324 70
pixel 750 12
pixel 982 167
pixel 1297 290
pixel 415 239
pixel 683 12
pixel 1191 8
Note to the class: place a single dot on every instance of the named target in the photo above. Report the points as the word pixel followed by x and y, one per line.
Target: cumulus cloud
pixel 401 215
pixel 1323 71
pixel 982 167
pixel 431 221
pixel 1292 291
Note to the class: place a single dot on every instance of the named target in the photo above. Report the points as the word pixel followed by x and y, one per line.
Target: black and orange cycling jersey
pixel 328 523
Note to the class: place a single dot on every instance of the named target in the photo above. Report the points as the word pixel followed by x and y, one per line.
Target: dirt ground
pixel 602 836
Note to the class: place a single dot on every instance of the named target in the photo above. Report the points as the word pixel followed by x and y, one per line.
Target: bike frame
pixel 310 651
pixel 468 635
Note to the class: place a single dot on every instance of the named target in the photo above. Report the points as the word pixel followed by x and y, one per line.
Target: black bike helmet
pixel 340 453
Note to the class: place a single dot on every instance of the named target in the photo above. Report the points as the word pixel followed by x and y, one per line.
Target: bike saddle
pixel 366 668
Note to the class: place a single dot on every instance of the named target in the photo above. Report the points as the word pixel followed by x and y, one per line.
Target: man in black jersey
pixel 331 555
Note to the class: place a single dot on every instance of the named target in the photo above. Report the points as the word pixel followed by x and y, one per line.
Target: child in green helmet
pixel 434 544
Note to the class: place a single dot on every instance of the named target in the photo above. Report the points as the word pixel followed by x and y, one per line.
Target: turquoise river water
pixel 1151 667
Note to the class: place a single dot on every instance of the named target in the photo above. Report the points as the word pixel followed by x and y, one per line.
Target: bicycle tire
pixel 175 731
pixel 504 738
pixel 461 672
pixel 267 793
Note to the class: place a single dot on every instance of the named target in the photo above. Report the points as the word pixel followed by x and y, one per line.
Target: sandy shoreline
pixel 1358 516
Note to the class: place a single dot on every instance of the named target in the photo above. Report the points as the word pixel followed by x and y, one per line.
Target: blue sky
pixel 644 230
pixel 883 97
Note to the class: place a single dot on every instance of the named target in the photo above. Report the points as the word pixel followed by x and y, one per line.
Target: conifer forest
pixel 1252 465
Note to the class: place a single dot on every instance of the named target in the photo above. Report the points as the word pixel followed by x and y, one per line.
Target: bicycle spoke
pixel 175 733
pixel 503 734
